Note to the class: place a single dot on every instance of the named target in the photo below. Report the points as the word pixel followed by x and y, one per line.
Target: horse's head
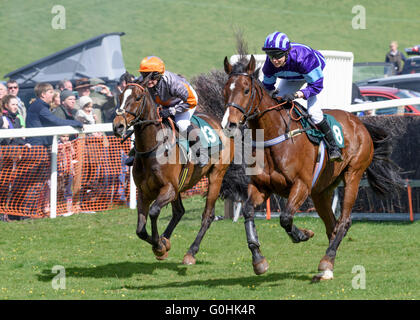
pixel 239 93
pixel 135 107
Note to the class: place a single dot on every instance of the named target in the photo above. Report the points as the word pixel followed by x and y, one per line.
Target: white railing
pixel 55 132
pixel 372 106
pixel 107 127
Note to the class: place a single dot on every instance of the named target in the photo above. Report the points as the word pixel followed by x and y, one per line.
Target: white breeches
pixel 182 120
pixel 314 109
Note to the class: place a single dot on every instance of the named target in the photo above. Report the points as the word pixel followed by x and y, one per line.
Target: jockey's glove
pixel 167 112
pixel 289 97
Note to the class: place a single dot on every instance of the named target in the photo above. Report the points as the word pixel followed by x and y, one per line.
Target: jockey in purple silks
pixel 297 64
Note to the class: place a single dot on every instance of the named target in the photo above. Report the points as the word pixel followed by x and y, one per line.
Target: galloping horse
pixel 163 181
pixel 289 164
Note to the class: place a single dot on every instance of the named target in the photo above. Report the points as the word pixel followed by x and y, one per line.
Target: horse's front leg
pixel 298 194
pixel 160 246
pixel 255 197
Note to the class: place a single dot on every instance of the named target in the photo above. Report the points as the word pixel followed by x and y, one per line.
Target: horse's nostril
pixel 232 125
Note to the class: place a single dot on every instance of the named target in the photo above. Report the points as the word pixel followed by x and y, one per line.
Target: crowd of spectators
pixel 86 101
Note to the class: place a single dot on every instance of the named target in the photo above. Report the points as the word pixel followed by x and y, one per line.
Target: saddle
pixel 312 132
pixel 209 138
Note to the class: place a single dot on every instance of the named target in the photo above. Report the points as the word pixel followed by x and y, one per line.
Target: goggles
pixel 276 54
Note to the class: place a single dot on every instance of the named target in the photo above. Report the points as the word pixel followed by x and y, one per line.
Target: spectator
pixel 85 115
pixel 395 57
pixel 124 79
pixel 11 121
pixel 39 114
pixel 103 101
pixel 65 84
pixel 67 109
pixel 3 89
pixel 10 156
pixel 83 87
pixel 55 100
pixel 13 89
pixel 66 172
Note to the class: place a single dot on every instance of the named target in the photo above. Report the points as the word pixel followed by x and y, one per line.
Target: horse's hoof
pixel 163 257
pixel 324 275
pixel 260 267
pixel 308 233
pixel 326 264
pixel 161 254
pixel 188 259
pixel 166 243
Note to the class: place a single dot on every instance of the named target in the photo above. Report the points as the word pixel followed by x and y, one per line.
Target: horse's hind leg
pixel 326 265
pixel 215 182
pixel 297 195
pixel 322 202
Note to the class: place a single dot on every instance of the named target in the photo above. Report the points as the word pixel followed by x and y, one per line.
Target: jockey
pixel 297 64
pixel 176 96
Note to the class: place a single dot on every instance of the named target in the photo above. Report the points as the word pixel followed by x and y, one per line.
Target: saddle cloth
pixel 313 133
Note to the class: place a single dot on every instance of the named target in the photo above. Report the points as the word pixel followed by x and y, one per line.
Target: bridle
pixel 249 112
pixel 137 121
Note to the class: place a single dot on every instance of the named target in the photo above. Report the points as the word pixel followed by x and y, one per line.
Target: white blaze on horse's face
pixel 232 86
pixel 225 119
pixel 127 93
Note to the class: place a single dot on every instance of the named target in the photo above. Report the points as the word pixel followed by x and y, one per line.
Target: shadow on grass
pixel 120 270
pixel 128 269
pixel 220 282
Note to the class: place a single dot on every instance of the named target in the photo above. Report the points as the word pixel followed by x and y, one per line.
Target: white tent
pixel 99 57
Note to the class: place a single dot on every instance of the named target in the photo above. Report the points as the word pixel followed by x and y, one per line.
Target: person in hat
pixel 83 87
pixel 103 100
pixel 85 114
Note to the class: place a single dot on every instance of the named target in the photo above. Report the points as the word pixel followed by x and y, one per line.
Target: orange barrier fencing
pixel 91 176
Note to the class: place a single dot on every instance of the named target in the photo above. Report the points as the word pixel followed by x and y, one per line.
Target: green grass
pixel 104 259
pixel 194 36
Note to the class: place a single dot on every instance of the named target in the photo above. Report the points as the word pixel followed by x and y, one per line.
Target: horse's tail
pixel 383 174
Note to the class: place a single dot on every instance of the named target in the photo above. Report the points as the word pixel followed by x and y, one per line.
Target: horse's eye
pixel 246 91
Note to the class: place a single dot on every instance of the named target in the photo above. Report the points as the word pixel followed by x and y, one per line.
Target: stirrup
pixel 334 154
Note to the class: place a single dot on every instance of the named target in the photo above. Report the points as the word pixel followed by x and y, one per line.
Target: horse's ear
pixel 251 65
pixel 228 66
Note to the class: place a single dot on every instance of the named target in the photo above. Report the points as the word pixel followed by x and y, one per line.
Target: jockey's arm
pixel 187 96
pixel 313 75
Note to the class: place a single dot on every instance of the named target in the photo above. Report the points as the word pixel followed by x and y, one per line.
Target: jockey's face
pixel 151 83
pixel 278 62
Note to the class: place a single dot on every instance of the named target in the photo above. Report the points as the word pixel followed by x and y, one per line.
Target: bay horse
pixel 288 167
pixel 161 183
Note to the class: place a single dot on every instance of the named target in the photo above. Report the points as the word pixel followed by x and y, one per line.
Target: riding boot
pixel 334 152
pixel 201 157
pixel 130 160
